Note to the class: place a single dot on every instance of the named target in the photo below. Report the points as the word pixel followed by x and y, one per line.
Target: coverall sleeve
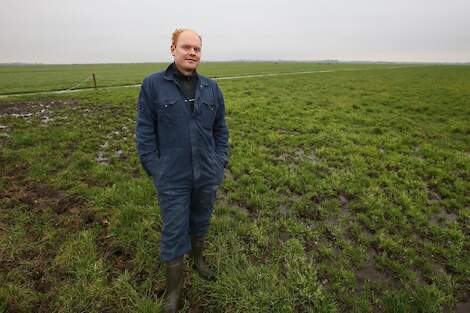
pixel 146 130
pixel 220 131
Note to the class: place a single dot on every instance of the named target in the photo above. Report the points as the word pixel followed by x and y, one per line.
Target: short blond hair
pixel 178 32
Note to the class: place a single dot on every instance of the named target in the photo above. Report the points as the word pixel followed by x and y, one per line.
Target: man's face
pixel 187 52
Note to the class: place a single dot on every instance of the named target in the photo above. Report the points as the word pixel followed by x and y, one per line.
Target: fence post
pixel 94 80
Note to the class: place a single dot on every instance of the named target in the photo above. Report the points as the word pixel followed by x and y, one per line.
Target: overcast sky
pixel 104 31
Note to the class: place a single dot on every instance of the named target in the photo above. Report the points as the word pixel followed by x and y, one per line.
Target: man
pixel 182 141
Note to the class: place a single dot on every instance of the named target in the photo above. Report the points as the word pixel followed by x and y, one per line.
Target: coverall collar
pixel 171 70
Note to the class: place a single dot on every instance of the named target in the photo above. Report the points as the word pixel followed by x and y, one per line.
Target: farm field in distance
pixel 37 78
pixel 346 191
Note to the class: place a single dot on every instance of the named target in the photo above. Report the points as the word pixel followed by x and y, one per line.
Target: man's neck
pixel 186 73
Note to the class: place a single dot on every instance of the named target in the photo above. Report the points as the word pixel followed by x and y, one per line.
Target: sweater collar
pixel 171 69
pixel 173 72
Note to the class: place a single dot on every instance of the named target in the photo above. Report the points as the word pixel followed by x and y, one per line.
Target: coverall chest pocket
pixel 208 110
pixel 167 112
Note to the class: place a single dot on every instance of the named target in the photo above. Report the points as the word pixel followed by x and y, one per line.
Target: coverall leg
pixel 186 212
pixel 202 203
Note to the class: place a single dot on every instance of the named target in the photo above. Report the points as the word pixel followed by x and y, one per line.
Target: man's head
pixel 186 47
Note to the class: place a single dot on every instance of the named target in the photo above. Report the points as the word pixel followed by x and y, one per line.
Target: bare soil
pixel 68 213
pixel 34 106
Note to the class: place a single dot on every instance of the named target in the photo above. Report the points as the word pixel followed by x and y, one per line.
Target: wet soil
pixel 28 107
pixel 35 261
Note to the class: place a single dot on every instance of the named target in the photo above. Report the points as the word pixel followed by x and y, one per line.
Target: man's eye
pixel 197 49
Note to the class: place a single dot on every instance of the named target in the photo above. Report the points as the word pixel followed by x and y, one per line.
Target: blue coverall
pixel 184 152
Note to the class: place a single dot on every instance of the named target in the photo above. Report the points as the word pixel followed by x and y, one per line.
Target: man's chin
pixel 191 66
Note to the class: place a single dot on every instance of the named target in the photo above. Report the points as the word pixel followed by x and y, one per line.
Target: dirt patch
pixel 310 214
pixel 343 215
pixel 35 196
pixel 120 258
pixel 284 211
pixel 302 156
pixel 433 193
pixel 228 173
pixel 311 245
pixel 463 307
pixel 194 308
pixel 287 131
pixel 45 111
pixel 371 273
pixel 34 255
pixel 30 107
pixel 443 218
pixel 285 158
pixel 284 236
pixel 344 199
pixel 247 209
pixel 330 234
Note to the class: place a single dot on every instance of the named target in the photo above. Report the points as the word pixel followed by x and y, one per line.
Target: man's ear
pixel 172 50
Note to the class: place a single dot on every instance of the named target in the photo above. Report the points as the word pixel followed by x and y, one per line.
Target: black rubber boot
pixel 174 284
pixel 197 244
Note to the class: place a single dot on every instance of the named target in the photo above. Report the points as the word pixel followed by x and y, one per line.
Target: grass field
pixel 37 78
pixel 346 191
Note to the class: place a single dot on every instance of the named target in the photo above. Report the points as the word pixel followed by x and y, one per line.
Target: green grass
pixel 346 192
pixel 36 78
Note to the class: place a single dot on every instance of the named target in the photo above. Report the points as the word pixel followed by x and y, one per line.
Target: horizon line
pixel 244 60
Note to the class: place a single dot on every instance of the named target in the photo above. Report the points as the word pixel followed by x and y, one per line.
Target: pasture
pixel 39 78
pixel 346 191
